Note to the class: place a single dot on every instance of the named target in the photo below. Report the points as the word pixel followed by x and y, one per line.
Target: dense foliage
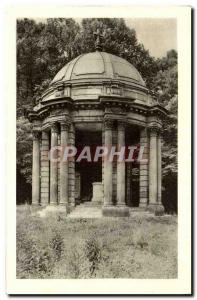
pixel 44 47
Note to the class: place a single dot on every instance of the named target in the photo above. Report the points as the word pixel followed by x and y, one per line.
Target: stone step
pixel 91 204
pixel 82 211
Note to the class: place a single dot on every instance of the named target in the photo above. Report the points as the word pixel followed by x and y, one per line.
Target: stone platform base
pixel 157 209
pixel 92 204
pixel 46 210
pixel 85 212
pixel 115 211
pixel 138 208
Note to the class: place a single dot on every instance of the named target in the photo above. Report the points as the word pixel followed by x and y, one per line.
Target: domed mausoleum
pixel 97 100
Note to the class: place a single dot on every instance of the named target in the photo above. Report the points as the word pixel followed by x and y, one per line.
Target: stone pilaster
pixel 144 144
pixel 36 169
pixel 45 168
pixel 54 166
pixel 64 167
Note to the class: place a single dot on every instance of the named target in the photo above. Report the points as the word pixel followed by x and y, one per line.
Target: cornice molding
pixel 111 106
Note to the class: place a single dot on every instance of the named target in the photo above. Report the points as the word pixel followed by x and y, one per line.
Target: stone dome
pixel 99 66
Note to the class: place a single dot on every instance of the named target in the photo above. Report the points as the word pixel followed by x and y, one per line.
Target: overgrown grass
pixel 141 246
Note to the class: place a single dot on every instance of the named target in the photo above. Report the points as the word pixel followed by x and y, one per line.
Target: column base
pixel 35 204
pixel 35 207
pixel 64 206
pixel 55 210
pixel 44 205
pixel 143 205
pixel 97 201
pixel 53 204
pixel 157 209
pixel 115 211
pixel 71 207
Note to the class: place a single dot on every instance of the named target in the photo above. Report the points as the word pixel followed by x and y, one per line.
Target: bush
pixel 76 263
pixel 57 245
pixel 93 253
pixel 33 260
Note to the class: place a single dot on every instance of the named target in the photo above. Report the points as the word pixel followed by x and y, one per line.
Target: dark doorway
pixel 89 172
pixel 132 168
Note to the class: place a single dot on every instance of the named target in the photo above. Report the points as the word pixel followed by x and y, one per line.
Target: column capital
pixel 121 125
pixel 108 124
pixel 54 127
pixel 65 125
pixel 36 134
pixel 154 130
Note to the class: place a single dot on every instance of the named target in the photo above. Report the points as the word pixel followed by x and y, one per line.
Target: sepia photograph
pixel 97 148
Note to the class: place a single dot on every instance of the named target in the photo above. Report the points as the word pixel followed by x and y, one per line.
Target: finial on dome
pixel 98 41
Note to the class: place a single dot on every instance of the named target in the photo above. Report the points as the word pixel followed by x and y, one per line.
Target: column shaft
pixel 144 168
pixel 153 168
pixel 108 167
pixel 159 169
pixel 64 166
pixel 36 169
pixel 71 180
pixel 121 167
pixel 45 168
pixel 54 166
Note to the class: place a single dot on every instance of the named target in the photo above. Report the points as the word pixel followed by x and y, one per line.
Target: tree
pixel 40 54
pixel 118 40
pixel 166 87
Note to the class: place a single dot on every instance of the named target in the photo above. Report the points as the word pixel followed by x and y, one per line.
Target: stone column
pixel 153 168
pixel 121 167
pixel 144 143
pixel 36 169
pixel 64 166
pixel 155 173
pixel 71 172
pixel 108 167
pixel 45 168
pixel 54 166
pixel 159 169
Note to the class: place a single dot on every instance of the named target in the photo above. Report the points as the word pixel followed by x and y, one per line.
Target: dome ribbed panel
pixel 99 65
